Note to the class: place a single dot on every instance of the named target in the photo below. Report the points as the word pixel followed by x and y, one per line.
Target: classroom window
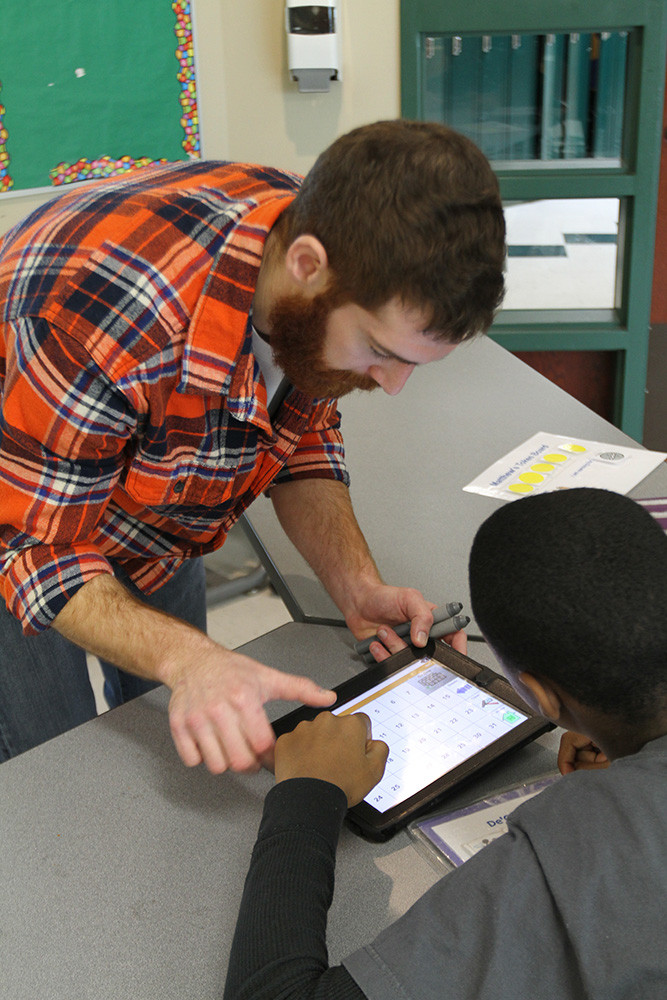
pixel 562 252
pixel 549 97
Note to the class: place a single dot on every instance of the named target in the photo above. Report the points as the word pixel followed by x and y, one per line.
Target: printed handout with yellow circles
pixel 548 462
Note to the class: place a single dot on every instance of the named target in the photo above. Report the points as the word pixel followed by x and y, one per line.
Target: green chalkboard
pixel 91 88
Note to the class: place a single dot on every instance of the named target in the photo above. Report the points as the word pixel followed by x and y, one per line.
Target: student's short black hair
pixel 572 586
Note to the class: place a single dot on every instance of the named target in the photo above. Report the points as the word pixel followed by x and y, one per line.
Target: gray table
pixel 121 871
pixel 409 458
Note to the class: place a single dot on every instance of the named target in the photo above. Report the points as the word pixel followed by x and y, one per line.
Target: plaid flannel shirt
pixel 134 422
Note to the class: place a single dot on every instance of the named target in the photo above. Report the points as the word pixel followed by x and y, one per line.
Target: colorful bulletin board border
pixel 93 90
pixel 547 462
pixel 6 181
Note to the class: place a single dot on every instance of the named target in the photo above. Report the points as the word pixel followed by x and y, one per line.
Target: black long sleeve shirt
pixel 279 948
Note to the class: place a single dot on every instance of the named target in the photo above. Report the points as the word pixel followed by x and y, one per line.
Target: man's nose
pixel 391 376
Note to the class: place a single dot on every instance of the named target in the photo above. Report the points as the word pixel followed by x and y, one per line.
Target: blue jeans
pixel 44 685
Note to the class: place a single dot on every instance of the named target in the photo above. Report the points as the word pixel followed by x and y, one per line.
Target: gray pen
pixel 439 615
pixel 438 629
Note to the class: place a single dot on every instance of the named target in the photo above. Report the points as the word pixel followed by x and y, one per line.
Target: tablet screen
pixel 445 719
pixel 433 720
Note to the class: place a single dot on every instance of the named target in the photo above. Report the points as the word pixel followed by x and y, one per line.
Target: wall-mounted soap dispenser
pixel 313 44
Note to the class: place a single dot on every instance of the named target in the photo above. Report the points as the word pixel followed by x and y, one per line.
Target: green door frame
pixel 625 328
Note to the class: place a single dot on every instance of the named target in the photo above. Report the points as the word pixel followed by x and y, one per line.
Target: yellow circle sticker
pixel 520 488
pixel 542 467
pixel 556 458
pixel 578 448
pixel 531 477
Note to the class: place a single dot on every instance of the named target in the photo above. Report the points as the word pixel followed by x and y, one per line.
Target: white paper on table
pixel 547 462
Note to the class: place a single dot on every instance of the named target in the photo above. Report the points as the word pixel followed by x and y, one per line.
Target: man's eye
pixel 378 354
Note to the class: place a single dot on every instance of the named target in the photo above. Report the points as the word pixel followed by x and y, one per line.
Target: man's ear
pixel 548 700
pixel 307 264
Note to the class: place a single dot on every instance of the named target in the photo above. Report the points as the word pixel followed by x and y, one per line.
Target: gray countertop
pixel 121 871
pixel 410 456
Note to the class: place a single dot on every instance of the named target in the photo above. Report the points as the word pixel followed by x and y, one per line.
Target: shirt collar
pixel 217 355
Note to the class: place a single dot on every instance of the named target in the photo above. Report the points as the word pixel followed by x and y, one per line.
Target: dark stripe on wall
pixel 591 238
pixel 536 251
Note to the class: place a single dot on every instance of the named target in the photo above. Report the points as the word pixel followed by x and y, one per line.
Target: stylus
pixel 439 615
pixel 445 627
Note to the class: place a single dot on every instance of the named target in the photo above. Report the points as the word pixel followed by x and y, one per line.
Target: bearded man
pixel 174 345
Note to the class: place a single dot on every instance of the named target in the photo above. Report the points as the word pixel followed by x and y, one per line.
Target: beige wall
pixel 265 118
pixel 250 109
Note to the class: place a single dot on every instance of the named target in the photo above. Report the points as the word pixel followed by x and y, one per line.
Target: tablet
pixel 444 717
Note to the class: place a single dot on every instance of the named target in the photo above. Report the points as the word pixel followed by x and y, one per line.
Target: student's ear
pixel 546 698
pixel 307 264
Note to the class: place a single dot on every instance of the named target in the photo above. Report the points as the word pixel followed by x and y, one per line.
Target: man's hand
pixel 380 604
pixel 391 643
pixel 333 748
pixel 216 710
pixel 577 752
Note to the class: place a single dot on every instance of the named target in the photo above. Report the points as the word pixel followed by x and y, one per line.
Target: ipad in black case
pixel 444 718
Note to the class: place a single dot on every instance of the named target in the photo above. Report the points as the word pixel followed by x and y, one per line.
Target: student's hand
pixel 216 712
pixel 333 748
pixel 391 643
pixel 378 604
pixel 578 753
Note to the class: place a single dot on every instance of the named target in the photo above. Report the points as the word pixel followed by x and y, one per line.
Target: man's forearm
pixel 109 622
pixel 317 516
pixel 216 710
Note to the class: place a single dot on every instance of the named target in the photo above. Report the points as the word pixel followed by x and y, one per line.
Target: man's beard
pixel 298 331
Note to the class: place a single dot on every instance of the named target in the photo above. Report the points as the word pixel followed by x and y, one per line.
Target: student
pixel 570 902
pixel 172 344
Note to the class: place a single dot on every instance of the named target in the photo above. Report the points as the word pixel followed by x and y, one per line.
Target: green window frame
pixel 633 179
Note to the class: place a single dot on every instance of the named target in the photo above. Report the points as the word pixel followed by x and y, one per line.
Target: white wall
pixel 250 110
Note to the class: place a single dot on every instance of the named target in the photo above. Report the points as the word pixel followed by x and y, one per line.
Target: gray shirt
pixel 571 902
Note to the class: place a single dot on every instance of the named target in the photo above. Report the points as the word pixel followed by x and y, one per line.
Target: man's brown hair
pixel 408 210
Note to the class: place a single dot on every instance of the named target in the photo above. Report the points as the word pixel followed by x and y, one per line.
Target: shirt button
pixel 179 486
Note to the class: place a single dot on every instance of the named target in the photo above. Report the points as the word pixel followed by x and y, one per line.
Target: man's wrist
pixel 180 643
pixel 355 595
